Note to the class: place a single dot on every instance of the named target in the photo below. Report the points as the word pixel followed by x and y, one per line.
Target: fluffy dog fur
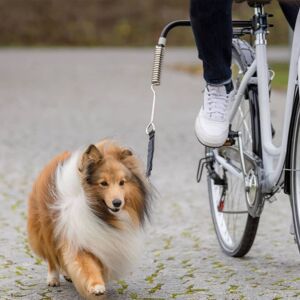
pixel 74 224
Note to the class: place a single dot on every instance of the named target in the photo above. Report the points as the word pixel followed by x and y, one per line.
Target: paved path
pixel 52 100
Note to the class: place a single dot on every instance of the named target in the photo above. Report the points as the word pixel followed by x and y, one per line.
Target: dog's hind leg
pixel 67 278
pixel 86 273
pixel 53 275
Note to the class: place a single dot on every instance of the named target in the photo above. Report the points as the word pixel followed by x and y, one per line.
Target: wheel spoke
pixel 243 121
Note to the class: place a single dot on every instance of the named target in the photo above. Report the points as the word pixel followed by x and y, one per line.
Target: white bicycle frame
pixel 273 157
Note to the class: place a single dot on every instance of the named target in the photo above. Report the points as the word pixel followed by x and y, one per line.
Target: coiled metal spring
pixel 157 64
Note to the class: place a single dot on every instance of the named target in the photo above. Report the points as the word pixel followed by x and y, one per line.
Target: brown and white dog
pixel 86 214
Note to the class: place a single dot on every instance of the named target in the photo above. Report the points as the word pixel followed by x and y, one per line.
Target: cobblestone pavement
pixel 57 99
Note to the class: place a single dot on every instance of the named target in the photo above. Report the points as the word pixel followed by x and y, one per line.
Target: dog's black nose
pixel 117 203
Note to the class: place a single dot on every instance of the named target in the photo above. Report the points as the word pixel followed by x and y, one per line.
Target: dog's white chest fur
pixel 117 249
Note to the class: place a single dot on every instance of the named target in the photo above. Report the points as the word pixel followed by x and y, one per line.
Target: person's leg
pixel 212 26
pixel 290 10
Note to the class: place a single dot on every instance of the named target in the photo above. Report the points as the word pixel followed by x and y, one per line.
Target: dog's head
pixel 114 182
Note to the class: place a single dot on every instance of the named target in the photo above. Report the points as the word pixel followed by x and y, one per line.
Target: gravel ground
pixel 58 99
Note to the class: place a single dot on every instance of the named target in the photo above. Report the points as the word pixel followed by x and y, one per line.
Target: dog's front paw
pixel 96 289
pixel 53 279
pixel 53 282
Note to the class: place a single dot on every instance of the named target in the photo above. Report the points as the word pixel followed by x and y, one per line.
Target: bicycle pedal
pixel 233 134
pixel 229 142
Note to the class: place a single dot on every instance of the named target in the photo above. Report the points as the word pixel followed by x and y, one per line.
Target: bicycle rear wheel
pixel 234 226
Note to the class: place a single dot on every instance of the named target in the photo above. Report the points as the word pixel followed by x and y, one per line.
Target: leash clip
pixel 150 128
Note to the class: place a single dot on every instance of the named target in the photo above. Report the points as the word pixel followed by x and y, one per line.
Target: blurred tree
pixel 103 22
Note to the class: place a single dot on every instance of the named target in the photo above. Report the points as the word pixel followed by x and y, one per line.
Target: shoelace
pixel 217 103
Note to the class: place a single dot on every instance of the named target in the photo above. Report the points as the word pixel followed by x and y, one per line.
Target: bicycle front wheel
pixel 295 166
pixel 234 226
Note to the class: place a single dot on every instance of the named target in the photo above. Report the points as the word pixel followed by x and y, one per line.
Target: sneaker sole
pixel 209 145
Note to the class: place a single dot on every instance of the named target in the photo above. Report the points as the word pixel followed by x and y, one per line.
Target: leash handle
pixel 150 131
pixel 151 144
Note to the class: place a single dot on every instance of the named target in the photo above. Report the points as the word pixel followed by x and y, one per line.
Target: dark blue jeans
pixel 211 23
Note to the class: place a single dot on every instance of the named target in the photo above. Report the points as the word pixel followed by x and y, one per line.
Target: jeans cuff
pixel 219 83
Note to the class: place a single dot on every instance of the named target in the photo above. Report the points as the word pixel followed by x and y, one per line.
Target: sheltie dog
pixel 86 214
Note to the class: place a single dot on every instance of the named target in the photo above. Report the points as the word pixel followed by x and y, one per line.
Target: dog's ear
pixel 90 157
pixel 125 153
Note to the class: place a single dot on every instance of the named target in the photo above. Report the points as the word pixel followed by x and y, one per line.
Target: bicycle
pixel 249 169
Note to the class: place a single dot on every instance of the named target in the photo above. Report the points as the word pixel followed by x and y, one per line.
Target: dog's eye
pixel 103 183
pixel 122 182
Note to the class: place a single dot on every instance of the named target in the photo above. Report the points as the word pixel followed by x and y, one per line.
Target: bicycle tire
pixel 243 53
pixel 294 165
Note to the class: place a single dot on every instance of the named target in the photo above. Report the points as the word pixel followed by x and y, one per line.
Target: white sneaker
pixel 212 123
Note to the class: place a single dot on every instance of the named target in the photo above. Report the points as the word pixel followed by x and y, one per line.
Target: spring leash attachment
pixel 155 81
pixel 156 75
pixel 157 63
